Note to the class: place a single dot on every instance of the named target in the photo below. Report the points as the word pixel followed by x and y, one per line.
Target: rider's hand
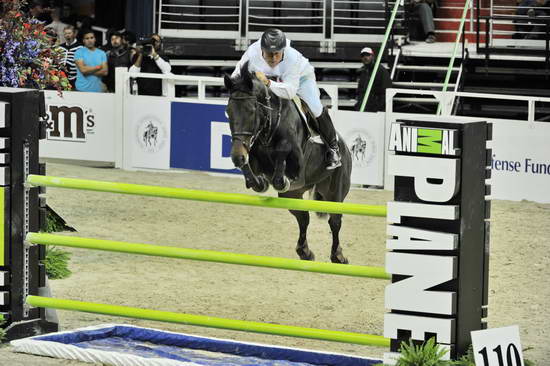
pixel 261 76
pixel 154 55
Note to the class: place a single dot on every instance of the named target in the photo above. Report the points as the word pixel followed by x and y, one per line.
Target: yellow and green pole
pixel 209 321
pixel 208 256
pixel 207 196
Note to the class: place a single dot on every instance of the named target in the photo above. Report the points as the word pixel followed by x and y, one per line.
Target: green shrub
pixel 56 263
pixel 57 260
pixel 55 223
pixel 431 354
pixel 466 360
pixel 427 354
pixel 2 330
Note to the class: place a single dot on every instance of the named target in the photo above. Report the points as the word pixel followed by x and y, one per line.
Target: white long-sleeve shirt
pixel 293 68
pixel 164 66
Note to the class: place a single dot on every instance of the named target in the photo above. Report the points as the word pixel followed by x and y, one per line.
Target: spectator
pixel 149 58
pixel 71 45
pixel 38 11
pixel 67 15
pixel 87 23
pixel 382 81
pixel 528 27
pixel 117 56
pixel 129 38
pixel 107 46
pixel 425 11
pixel 91 64
pixel 51 36
pixel 57 25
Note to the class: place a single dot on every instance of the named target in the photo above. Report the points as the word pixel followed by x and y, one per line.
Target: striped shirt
pixel 69 58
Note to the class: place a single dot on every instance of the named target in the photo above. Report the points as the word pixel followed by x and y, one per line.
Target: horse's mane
pixel 245 81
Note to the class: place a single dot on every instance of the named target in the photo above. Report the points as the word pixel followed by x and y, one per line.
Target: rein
pixel 266 131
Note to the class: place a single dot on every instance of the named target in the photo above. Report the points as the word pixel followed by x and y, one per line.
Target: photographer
pixel 148 59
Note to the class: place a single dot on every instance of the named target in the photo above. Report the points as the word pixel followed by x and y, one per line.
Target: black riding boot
pixel 328 135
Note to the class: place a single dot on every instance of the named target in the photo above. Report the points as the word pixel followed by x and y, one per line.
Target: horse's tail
pixel 314 195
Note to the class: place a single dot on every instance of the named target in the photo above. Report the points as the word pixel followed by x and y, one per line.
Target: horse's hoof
pixel 339 258
pixel 263 187
pixel 281 185
pixel 305 254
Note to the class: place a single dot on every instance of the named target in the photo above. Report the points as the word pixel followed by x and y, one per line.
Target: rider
pixel 272 57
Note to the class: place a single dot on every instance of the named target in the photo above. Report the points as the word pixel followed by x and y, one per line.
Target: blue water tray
pixel 125 345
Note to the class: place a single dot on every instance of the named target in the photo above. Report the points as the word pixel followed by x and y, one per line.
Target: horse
pixel 272 146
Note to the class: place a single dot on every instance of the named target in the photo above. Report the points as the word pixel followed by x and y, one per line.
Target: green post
pixel 453 56
pixel 379 56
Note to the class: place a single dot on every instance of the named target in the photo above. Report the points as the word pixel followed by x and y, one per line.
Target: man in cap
pixel 271 57
pixel 382 81
pixel 118 55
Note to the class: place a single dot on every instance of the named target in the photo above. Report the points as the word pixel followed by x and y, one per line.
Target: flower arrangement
pixel 28 59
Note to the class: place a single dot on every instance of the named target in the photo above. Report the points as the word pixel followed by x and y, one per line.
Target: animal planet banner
pixel 364 135
pixel 80 126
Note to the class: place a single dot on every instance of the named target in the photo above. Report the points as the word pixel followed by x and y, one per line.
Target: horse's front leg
pixel 257 182
pixel 279 181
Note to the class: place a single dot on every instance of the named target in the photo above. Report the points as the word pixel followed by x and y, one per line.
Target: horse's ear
pixel 247 76
pixel 228 82
pixel 244 69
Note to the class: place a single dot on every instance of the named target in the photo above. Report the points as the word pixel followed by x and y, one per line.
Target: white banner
pixel 364 135
pixel 80 126
pixel 147 132
pixel 520 168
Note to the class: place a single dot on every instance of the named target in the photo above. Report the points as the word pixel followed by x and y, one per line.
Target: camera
pixel 147 44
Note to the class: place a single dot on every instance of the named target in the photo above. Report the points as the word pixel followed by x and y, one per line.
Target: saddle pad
pixel 298 102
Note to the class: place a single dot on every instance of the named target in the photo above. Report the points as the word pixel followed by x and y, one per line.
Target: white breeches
pixel 310 93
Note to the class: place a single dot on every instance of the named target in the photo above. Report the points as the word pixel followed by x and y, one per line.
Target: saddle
pixel 308 120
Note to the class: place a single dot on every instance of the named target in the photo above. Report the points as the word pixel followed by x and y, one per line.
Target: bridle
pixel 263 132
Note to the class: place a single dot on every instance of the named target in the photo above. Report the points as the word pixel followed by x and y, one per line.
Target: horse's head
pixel 244 121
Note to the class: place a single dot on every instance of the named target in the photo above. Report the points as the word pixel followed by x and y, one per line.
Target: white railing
pixel 169 82
pixel 449 100
pixel 525 23
pixel 243 20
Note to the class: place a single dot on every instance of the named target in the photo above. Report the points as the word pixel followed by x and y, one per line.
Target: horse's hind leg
pixel 302 248
pixel 336 255
pixel 303 222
